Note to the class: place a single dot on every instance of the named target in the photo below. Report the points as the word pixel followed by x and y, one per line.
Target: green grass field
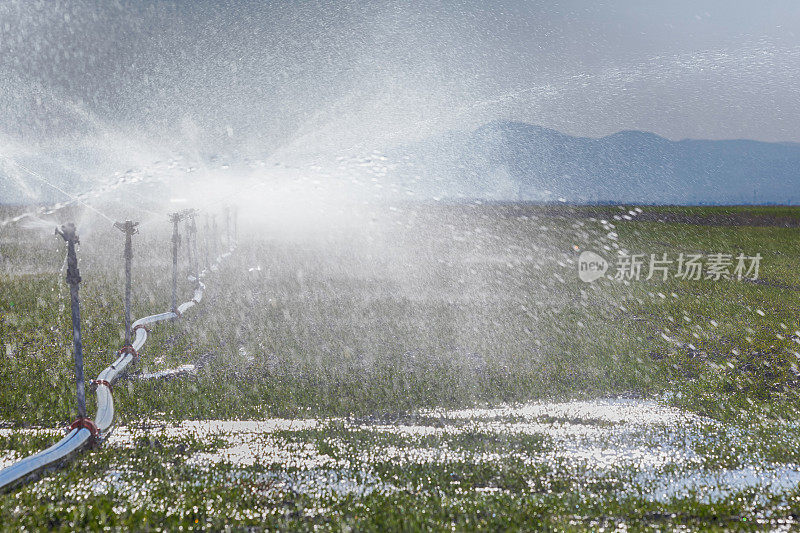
pixel 359 346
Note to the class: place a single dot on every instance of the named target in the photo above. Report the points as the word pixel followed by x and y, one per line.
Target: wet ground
pixel 347 367
pixel 642 448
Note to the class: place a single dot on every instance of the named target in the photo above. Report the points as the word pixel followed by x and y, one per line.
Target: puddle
pixel 169 373
pixel 649 447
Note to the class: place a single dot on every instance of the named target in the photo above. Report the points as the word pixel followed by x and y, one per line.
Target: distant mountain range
pixel 513 161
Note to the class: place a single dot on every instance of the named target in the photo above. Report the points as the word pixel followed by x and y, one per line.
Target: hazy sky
pixel 300 75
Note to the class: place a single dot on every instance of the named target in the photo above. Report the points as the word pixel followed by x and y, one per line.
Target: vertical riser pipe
pixel 73 278
pixel 129 229
pixel 227 229
pixel 175 237
pixel 77 346
pixel 195 257
pixel 214 237
pixel 205 244
pixel 128 258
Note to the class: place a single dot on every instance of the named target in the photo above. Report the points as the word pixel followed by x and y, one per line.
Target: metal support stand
pixel 70 235
pixel 129 229
pixel 227 214
pixel 175 218
pixel 205 244
pixel 214 236
pixel 188 244
pixel 236 225
pixel 193 238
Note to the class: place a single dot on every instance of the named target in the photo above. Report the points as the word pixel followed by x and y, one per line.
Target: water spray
pixel 129 229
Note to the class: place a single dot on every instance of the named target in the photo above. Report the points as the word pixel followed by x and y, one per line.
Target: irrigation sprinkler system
pixel 235 216
pixel 175 218
pixel 227 212
pixel 129 229
pixel 85 432
pixel 214 234
pixel 192 234
pixel 206 263
pixel 69 233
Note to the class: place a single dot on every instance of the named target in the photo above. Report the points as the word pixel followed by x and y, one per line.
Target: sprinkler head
pixel 177 216
pixel 68 232
pixel 128 227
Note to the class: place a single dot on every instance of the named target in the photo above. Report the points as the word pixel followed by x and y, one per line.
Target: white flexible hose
pixel 30 467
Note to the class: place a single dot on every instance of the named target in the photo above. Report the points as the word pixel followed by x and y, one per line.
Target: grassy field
pixel 358 347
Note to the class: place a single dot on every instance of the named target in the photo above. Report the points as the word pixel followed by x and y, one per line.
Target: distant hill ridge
pixel 506 160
